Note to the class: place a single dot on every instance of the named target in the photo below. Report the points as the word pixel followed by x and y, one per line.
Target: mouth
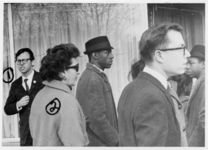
pixel 187 72
pixel 22 68
pixel 185 65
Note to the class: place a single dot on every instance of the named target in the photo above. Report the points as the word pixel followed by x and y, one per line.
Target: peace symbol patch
pixel 53 106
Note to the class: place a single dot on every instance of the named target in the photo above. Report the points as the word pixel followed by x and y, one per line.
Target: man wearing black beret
pixel 95 95
pixel 196 106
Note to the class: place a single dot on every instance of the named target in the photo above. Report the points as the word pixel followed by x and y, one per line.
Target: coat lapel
pixel 157 83
pixel 160 86
pixel 19 88
pixel 102 74
pixel 174 96
pixel 19 83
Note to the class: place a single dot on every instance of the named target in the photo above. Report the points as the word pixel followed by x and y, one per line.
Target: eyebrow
pixel 23 58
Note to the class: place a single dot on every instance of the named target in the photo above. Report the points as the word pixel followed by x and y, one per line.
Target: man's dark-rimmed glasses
pixel 20 61
pixel 176 48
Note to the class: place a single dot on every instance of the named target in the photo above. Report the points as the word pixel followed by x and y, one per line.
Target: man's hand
pixel 23 101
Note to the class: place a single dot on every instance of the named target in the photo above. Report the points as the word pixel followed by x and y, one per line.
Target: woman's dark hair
pixel 22 50
pixel 136 68
pixel 184 84
pixel 57 60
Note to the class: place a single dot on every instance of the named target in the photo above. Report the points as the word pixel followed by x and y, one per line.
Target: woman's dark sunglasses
pixel 75 67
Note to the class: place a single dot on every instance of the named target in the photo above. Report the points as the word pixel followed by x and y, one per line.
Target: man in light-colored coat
pixel 196 106
pixel 95 95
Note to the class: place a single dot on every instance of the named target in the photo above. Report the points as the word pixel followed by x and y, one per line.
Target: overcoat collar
pixel 158 84
pixel 57 85
pixel 95 69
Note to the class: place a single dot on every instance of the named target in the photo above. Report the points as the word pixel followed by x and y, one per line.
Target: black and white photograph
pixel 103 74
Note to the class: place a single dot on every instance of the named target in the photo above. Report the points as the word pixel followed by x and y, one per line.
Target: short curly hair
pixel 57 60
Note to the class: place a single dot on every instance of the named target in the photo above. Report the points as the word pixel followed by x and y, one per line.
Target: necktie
pixel 26 85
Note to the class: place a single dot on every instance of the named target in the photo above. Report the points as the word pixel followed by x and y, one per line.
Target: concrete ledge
pixel 11 142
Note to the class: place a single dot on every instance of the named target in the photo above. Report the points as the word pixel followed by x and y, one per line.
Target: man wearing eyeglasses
pixel 196 105
pixel 149 111
pixel 22 93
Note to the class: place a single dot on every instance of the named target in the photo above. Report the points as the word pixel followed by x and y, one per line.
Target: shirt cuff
pixel 18 108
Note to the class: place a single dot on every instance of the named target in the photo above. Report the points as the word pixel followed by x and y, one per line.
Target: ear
pixel 62 75
pixel 33 63
pixel 95 55
pixel 203 64
pixel 158 56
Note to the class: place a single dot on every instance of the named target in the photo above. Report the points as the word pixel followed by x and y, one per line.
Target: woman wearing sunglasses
pixel 56 118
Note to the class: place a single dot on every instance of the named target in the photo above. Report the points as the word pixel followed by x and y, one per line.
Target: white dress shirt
pixel 157 75
pixel 29 83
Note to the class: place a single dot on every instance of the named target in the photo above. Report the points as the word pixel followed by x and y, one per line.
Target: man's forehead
pixel 24 55
pixel 175 37
pixel 105 50
pixel 192 59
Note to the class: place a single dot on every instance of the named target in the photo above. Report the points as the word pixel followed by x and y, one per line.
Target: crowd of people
pixel 160 107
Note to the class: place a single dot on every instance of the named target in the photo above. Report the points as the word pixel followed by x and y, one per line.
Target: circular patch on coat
pixel 53 106
pixel 8 75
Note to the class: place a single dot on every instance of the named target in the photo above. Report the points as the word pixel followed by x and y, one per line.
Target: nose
pixel 22 62
pixel 111 55
pixel 187 53
pixel 188 64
